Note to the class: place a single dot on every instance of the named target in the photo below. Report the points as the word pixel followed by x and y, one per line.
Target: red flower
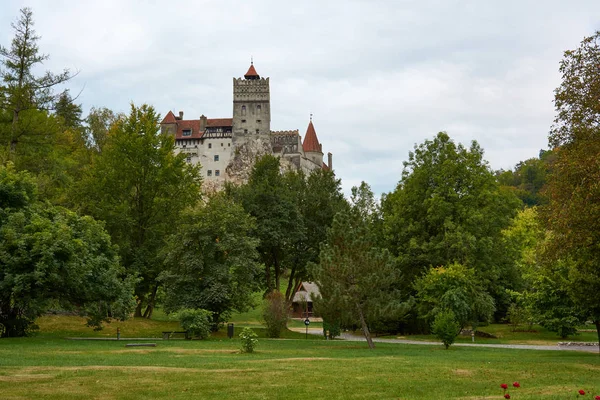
pixel 504 386
pixel 516 384
pixel 581 392
pixel 597 398
pixel 507 396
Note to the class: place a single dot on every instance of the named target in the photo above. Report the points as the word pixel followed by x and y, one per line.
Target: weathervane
pixel 310 117
pixel 251 60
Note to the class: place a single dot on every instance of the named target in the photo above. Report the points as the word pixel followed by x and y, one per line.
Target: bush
pixel 331 327
pixel 445 327
pixel 249 340
pixel 275 314
pixel 197 322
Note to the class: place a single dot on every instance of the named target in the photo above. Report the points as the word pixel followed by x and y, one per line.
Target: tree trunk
pixel 138 309
pixel 151 302
pixel 288 292
pixel 277 272
pixel 365 328
pixel 597 323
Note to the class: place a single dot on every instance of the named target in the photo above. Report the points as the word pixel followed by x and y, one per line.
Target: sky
pixel 379 76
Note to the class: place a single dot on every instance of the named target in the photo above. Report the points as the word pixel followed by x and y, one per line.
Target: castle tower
pixel 311 146
pixel 251 108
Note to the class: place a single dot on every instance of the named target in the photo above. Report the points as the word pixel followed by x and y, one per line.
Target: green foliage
pixel 550 300
pixel 331 329
pixel 27 132
pixel 528 178
pixel 51 255
pixel 98 124
pixel 448 208
pixel 197 322
pixel 457 289
pixel 573 210
pixel 356 278
pixel 17 189
pixel 212 260
pixel 139 187
pixel 248 340
pixel 519 315
pixel 445 327
pixel 268 197
pixel 275 313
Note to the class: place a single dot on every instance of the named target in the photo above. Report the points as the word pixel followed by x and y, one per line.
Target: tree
pixel 70 112
pixel 455 288
pixel 98 123
pixel 22 93
pixel 212 260
pixel 269 198
pixel 355 275
pixel 49 254
pixel 449 208
pixel 139 187
pixel 445 327
pixel 528 178
pixel 573 211
pixel 319 197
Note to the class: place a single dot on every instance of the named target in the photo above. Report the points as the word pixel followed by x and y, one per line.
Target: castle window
pixel 216 157
pixel 243 121
pixel 258 109
pixel 245 130
pixel 221 144
pixel 243 110
pixel 257 131
pixel 187 132
pixel 209 172
pixel 189 159
pixel 258 121
pixel 217 172
pixel 210 145
pixel 228 144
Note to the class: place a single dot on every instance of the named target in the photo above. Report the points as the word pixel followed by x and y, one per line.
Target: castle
pixel 226 148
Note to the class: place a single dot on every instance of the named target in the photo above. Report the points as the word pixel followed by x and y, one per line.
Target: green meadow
pixel 48 366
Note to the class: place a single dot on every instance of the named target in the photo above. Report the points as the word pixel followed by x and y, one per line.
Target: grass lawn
pixel 49 367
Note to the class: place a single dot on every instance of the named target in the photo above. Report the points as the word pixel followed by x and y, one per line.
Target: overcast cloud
pixel 379 76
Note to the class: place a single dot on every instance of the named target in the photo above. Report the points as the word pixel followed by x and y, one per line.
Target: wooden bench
pixel 168 335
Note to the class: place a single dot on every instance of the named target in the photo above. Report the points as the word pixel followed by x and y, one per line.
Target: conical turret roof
pixel 251 74
pixel 311 143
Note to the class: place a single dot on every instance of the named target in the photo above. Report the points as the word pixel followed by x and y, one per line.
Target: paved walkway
pixel 360 338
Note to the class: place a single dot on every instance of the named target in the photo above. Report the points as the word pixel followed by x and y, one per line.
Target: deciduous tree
pixel 573 211
pixel 212 261
pixel 449 208
pixel 49 254
pixel 139 187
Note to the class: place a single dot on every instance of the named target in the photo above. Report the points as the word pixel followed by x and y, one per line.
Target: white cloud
pixel 379 75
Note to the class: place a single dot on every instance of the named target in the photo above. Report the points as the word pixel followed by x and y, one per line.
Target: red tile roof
pixel 194 126
pixel 220 122
pixel 325 167
pixel 251 72
pixel 311 143
pixel 169 118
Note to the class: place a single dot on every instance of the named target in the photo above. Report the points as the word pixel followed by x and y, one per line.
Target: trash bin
pixel 229 331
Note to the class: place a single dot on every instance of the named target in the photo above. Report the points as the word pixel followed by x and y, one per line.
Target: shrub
pixel 445 327
pixel 197 322
pixel 249 340
pixel 331 327
pixel 275 314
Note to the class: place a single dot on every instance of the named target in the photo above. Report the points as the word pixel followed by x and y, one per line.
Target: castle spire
pixel 251 74
pixel 311 143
